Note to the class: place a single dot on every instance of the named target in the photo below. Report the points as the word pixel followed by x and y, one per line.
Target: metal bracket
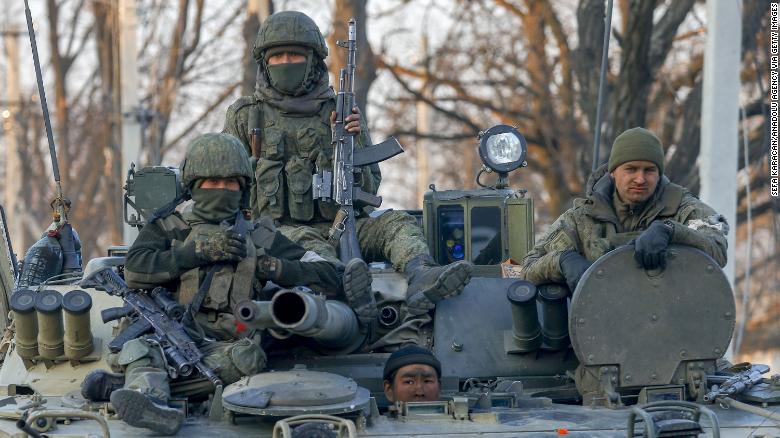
pixel 460 408
pixel 608 378
pixel 695 380
pixel 343 426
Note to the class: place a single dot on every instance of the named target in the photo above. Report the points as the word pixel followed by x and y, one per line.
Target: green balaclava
pixel 215 205
pixel 637 144
pixel 289 78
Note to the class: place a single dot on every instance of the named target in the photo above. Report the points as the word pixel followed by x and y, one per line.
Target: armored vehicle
pixel 509 349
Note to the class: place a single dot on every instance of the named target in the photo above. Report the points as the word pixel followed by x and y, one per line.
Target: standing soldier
pixel 204 261
pixel 291 114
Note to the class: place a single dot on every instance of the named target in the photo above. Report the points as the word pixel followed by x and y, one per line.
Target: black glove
pixel 573 265
pixel 650 246
pixel 220 246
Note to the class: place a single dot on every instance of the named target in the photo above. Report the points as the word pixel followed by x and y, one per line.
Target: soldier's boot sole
pixel 139 410
pixel 99 384
pixel 357 289
pixel 449 283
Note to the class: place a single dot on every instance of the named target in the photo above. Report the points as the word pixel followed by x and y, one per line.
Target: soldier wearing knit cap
pixel 628 201
pixel 412 374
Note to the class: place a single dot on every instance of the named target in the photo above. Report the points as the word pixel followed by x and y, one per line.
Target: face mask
pixel 215 205
pixel 287 78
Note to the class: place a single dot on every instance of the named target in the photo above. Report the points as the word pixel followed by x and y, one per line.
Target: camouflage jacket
pixel 592 227
pixel 293 147
pixel 151 260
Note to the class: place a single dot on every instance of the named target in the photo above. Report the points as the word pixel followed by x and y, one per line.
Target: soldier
pixel 176 251
pixel 412 373
pixel 293 108
pixel 628 201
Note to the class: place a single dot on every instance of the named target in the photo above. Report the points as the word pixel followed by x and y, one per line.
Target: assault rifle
pixel 728 386
pixel 157 314
pixel 339 184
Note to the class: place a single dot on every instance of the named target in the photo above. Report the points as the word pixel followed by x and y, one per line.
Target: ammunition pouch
pixel 300 201
pixel 269 189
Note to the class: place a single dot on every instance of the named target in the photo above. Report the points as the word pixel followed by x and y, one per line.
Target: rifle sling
pixel 197 300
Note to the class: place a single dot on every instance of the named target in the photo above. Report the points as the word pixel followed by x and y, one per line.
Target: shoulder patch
pixel 559 241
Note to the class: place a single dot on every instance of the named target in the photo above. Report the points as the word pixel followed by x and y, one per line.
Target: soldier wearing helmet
pixel 292 109
pixel 179 251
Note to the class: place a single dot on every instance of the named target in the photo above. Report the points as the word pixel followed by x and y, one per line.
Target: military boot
pixel 99 384
pixel 430 283
pixel 357 289
pixel 139 410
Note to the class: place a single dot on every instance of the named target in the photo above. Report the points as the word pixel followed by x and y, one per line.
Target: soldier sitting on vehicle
pixel 180 251
pixel 293 108
pixel 628 201
pixel 412 374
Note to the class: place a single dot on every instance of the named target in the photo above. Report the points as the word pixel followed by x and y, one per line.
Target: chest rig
pixel 608 232
pixel 231 283
pixel 292 148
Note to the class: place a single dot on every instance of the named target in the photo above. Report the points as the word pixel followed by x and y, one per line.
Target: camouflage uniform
pixel 179 251
pixel 296 140
pixel 600 223
pixel 151 262
pixel 291 110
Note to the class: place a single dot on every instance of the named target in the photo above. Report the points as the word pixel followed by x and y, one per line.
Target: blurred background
pixel 431 72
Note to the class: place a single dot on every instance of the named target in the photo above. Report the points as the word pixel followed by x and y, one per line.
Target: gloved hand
pixel 220 246
pixel 268 267
pixel 573 265
pixel 650 246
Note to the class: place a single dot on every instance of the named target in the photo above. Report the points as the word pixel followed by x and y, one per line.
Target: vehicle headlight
pixel 502 148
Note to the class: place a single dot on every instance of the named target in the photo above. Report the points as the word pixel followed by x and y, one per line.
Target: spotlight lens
pixel 504 148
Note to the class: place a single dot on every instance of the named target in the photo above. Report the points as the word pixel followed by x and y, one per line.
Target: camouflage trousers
pixel 144 365
pixel 393 236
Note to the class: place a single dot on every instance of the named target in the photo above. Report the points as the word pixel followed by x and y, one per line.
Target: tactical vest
pixel 293 148
pixel 231 284
pixel 602 236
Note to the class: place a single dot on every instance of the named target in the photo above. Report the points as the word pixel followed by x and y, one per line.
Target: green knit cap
pixel 637 144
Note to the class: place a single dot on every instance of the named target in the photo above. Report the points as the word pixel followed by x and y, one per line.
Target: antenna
pixel 602 77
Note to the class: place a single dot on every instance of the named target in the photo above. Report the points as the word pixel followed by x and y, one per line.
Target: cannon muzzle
pixel 255 314
pixel 331 324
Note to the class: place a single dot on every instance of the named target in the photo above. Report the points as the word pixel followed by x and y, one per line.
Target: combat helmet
pixel 216 155
pixel 289 28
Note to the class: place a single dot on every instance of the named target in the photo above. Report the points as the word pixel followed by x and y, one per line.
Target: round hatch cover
pixel 648 322
pixel 295 392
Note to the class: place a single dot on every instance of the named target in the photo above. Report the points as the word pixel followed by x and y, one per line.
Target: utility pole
pixel 131 125
pixel 720 116
pixel 423 127
pixel 13 174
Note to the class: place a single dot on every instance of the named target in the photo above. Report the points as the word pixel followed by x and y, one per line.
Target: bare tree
pixel 366 68
pixel 256 12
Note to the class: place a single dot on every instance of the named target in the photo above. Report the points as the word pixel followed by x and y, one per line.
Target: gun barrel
pixel 255 314
pixel 332 324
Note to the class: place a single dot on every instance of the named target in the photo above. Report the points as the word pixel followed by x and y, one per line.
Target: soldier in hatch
pixel 176 251
pixel 293 108
pixel 629 200
pixel 412 374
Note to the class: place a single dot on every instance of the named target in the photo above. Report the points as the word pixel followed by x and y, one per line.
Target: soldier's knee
pixel 241 358
pixel 138 353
